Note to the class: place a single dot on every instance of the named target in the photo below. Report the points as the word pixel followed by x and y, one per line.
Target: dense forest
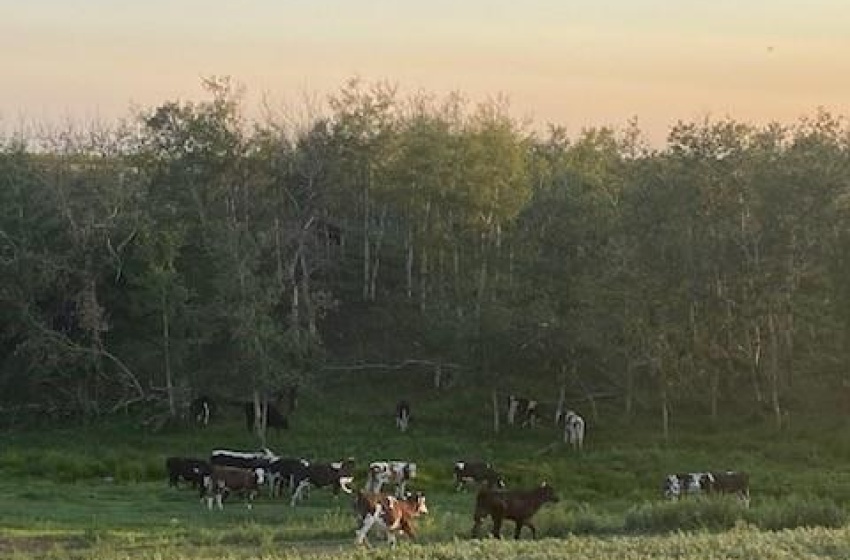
pixel 192 250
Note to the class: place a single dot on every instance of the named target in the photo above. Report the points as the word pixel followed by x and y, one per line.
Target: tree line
pixel 189 248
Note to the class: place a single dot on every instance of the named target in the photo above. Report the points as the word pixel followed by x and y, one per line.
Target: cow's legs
pixel 360 534
pixel 497 526
pixel 298 493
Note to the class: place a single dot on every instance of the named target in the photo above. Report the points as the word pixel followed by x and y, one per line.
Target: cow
pixel 398 473
pixel 732 482
pixel 201 409
pixel 517 505
pixel 476 471
pixel 250 460
pixel 274 419
pixel 523 408
pixel 223 480
pixel 186 468
pixel 393 515
pixel 681 484
pixel 402 415
pixel 339 475
pixel 573 429
pixel 286 471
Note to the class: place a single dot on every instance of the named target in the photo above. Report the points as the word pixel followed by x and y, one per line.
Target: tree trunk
pixel 166 349
pixel 773 370
pixel 495 399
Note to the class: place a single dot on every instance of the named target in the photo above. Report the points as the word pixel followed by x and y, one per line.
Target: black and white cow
pixel 338 475
pixel 397 473
pixel 201 410
pixel 573 425
pixel 476 471
pixel 274 419
pixel 402 415
pixel 188 469
pixel 522 409
pixel 678 485
pixel 287 471
pixel 249 460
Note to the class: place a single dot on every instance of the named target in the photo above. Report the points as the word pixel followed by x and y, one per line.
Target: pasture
pixel 99 490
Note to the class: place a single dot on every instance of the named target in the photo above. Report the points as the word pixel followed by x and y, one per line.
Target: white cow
pixel 573 430
pixel 390 472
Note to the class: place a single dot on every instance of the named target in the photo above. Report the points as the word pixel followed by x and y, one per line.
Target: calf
pixel 393 515
pixel 274 419
pixel 188 469
pixel 339 475
pixel 201 409
pixel 517 505
pixel 402 415
pixel 231 479
pixel 573 429
pixel 523 408
pixel 398 473
pixel 466 472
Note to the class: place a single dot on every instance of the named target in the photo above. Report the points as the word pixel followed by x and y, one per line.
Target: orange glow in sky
pixel 575 63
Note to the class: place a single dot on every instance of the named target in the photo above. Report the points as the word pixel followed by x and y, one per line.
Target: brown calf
pixel 231 479
pixel 517 505
pixel 393 515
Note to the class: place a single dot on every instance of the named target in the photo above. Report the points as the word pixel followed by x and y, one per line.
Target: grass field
pixel 99 490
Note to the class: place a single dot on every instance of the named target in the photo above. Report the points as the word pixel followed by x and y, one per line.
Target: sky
pixel 575 63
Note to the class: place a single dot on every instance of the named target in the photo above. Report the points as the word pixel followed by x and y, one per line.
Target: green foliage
pixel 684 515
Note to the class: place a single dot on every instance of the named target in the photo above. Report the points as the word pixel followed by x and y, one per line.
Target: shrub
pixel 798 511
pixel 685 515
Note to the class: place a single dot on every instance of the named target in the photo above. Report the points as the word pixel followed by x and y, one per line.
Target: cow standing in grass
pixel 522 409
pixel 393 515
pixel 402 415
pixel 224 480
pixel 476 471
pixel 517 505
pixel 573 429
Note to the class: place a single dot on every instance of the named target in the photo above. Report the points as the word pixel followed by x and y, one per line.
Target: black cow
pixel 201 410
pixel 402 415
pixel 476 471
pixel 517 505
pixel 274 419
pixel 339 475
pixel 188 469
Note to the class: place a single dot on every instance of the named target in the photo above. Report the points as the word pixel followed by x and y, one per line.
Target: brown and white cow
pixel 517 505
pixel 732 482
pixel 397 473
pixel 224 480
pixel 393 515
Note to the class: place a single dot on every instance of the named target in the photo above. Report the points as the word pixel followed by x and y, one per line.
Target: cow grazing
pixel 393 515
pixel 188 469
pixel 339 475
pixel 274 419
pixel 466 472
pixel 517 505
pixel 223 480
pixel 201 409
pixel 402 415
pixel 522 409
pixel 397 473
pixel 573 429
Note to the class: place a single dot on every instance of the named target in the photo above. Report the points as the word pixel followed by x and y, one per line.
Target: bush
pixel 685 515
pixel 798 511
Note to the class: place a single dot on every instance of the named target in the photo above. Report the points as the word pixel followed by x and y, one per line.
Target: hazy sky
pixel 572 62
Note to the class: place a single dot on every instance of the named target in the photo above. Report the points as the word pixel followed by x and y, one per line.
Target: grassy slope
pixel 102 488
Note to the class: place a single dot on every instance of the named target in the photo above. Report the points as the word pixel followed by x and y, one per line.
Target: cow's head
pixel 260 475
pixel 547 493
pixel 671 488
pixel 417 502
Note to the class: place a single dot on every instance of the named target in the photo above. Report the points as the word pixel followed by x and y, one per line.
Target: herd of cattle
pixel 246 473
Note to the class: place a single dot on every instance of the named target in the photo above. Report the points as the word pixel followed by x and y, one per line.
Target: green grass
pixel 98 490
